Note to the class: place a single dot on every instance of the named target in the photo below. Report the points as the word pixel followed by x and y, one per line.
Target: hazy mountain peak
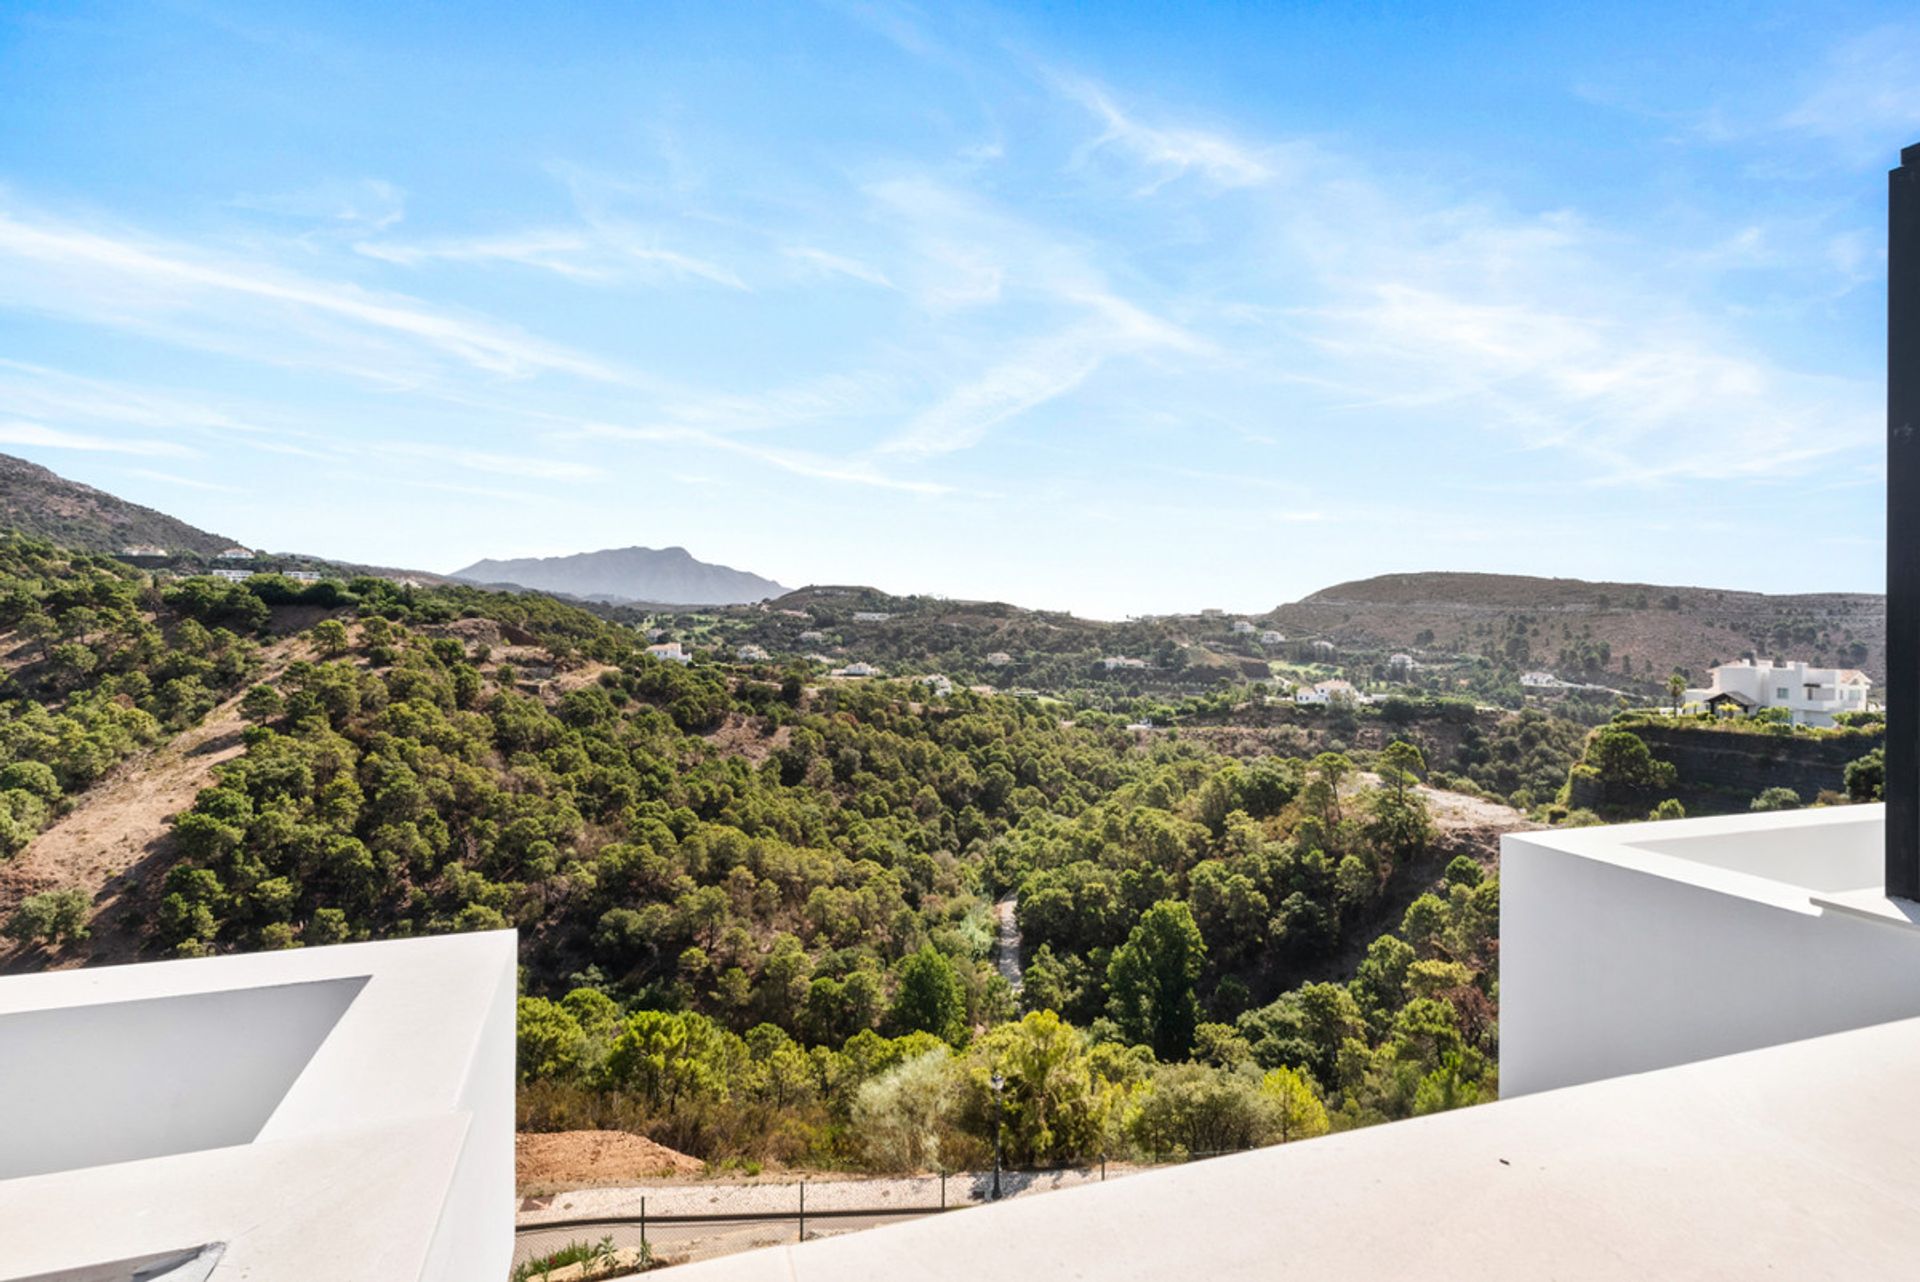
pixel 670 576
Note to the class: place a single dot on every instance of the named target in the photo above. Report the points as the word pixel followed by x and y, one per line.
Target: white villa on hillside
pixel 939 685
pixel 233 576
pixel 751 653
pixel 1332 691
pixel 858 668
pixel 1270 637
pixel 1115 661
pixel 999 658
pixel 1811 695
pixel 870 616
pixel 1242 625
pixel 670 651
pixel 236 554
pixel 142 549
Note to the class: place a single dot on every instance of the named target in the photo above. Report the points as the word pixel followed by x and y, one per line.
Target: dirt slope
pixel 118 831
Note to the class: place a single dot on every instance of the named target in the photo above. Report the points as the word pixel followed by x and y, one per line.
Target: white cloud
pixel 1866 96
pixel 796 462
pixel 22 432
pixel 825 263
pixel 1172 151
pixel 366 204
pixel 187 482
pixel 532 467
pixel 137 282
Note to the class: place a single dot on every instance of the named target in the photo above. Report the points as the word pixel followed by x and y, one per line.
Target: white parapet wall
pixel 325 1113
pixel 1630 948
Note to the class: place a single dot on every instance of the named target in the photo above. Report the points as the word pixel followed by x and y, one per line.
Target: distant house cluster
pixel 1811 696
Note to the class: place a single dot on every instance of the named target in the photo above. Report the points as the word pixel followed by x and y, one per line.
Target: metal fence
pixel 682 1237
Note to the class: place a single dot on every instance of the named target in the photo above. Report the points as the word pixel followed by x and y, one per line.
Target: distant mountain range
pixel 1623 632
pixel 48 506
pixel 663 576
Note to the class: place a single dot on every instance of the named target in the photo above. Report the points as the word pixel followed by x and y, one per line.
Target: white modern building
pixel 236 554
pixel 1116 662
pixel 1814 696
pixel 669 652
pixel 871 616
pixel 1270 637
pixel 858 668
pixel 233 576
pixel 323 1114
pixel 752 654
pixel 1243 626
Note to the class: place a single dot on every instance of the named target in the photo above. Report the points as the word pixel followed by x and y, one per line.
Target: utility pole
pixel 999 1087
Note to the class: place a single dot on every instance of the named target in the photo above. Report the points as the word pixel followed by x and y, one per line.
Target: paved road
pixel 1006 951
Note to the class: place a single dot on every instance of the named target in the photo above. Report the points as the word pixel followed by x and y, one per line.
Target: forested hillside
pixel 756 912
pixel 39 503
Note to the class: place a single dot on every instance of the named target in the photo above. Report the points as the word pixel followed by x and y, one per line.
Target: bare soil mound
pixel 571 1159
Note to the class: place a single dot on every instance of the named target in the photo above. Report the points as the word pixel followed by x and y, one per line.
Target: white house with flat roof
pixel 669 652
pixel 1813 696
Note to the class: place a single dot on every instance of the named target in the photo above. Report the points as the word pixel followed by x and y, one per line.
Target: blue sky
pixel 1116 308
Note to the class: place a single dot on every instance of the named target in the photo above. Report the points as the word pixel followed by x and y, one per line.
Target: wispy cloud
pixel 1867 92
pixel 185 482
pixel 21 432
pixel 581 256
pixel 366 204
pixel 523 465
pixel 1170 151
pixel 134 281
pixel 796 462
pixel 824 263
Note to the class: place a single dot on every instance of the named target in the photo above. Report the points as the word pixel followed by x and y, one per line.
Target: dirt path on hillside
pixel 118 830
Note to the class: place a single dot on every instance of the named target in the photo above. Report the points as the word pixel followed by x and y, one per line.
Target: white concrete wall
pixel 1619 955
pixel 84 1086
pixel 476 1225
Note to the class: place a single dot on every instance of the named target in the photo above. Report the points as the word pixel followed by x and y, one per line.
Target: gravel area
pixel 782 1194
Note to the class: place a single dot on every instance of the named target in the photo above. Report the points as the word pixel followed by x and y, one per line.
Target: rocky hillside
pixel 665 576
pixel 1640 631
pixel 45 505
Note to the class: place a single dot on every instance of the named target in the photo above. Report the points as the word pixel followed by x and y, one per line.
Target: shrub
pixel 50 917
pixel 1777 799
pixel 903 1115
